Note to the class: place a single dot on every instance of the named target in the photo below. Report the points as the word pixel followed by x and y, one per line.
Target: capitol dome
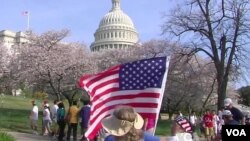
pixel 116 30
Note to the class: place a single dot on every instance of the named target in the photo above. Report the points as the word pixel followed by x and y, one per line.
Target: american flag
pixel 139 84
pixel 25 13
pixel 184 124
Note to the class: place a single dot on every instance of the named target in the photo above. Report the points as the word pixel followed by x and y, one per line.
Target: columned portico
pixel 116 30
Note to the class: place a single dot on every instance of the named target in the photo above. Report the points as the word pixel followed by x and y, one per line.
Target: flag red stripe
pixel 185 125
pixel 104 84
pixel 111 98
pixel 88 76
pixel 128 97
pixel 141 108
pixel 183 121
pixel 82 79
pixel 135 105
pixel 99 77
pixel 111 69
pixel 95 130
pixel 108 91
pixel 141 105
pixel 113 89
pixel 148 115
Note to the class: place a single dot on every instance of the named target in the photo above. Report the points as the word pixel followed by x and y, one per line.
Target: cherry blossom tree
pixel 49 63
pixel 4 69
pixel 3 56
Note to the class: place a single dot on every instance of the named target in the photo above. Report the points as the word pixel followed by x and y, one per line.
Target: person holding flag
pixel 181 130
pixel 139 84
pixel 125 125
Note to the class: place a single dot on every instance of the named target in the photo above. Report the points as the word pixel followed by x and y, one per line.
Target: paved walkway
pixel 30 137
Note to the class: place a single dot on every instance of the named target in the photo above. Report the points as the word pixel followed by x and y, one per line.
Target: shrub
pixel 6 137
pixel 40 95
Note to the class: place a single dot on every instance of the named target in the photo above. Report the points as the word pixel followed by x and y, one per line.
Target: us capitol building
pixel 116 31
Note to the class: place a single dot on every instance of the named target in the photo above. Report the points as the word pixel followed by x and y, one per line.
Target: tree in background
pixel 190 85
pixel 244 95
pixel 219 29
pixel 3 66
pixel 49 63
pixel 3 60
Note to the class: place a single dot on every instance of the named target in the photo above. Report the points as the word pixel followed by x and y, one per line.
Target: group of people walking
pixel 126 124
pixel 58 117
pixel 211 122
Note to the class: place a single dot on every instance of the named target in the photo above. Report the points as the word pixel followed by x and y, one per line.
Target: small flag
pixel 139 84
pixel 184 123
pixel 25 13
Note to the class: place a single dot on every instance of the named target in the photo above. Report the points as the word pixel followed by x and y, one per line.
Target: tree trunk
pixel 58 97
pixel 170 115
pixel 221 92
pixel 159 117
pixel 209 95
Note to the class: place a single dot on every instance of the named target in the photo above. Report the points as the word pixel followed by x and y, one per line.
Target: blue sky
pixel 81 17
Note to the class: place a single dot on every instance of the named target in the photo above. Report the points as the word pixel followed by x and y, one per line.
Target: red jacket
pixel 208 120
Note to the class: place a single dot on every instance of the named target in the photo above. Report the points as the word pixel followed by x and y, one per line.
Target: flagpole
pixel 162 89
pixel 28 21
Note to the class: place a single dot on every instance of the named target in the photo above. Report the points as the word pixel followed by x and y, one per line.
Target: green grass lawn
pixel 163 127
pixel 14 116
pixel 12 102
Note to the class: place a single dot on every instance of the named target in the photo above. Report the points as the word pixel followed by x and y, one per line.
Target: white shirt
pixel 46 114
pixel 54 109
pixel 34 115
pixel 193 119
pixel 216 120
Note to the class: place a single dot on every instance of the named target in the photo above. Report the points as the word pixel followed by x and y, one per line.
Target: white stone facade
pixel 10 38
pixel 116 30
